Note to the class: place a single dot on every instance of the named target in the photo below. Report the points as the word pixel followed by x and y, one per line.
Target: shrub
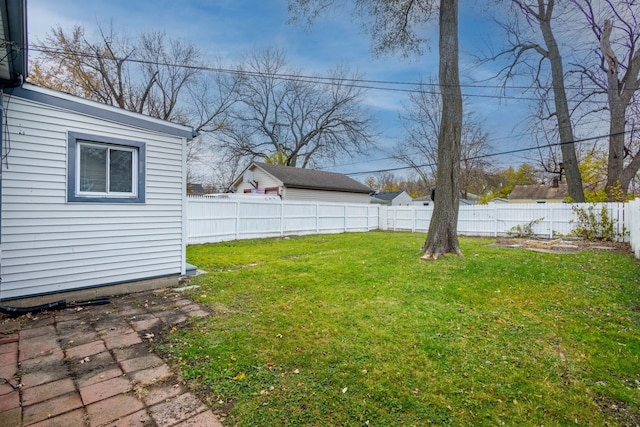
pixel 524 230
pixel 592 225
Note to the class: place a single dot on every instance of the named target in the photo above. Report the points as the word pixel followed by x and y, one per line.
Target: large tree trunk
pixel 569 159
pixel 620 94
pixel 442 237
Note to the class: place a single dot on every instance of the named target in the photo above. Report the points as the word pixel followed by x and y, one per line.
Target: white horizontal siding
pixel 324 196
pixel 49 245
pixel 263 179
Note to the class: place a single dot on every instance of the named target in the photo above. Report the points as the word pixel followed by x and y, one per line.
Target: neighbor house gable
pixel 302 184
pixel 538 193
pixel 393 198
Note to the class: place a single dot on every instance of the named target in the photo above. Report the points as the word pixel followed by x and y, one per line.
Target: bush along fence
pixel 222 219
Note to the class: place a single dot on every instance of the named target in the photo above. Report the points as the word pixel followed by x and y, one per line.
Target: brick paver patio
pixel 94 366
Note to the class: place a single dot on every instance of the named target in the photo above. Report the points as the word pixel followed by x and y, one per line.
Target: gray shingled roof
pixel 313 179
pixel 387 195
pixel 539 192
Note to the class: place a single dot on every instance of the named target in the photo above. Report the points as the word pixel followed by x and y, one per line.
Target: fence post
pixel 367 218
pixel 317 218
pixel 281 219
pixel 344 212
pixel 395 219
pixel 237 219
pixel 415 219
pixel 495 223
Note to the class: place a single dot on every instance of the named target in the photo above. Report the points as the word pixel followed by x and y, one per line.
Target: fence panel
pixel 202 228
pixel 221 219
pixel 259 219
pixel 300 218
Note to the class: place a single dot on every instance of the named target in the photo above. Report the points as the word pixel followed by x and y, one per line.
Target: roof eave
pixel 14 23
pixel 96 109
pixel 310 187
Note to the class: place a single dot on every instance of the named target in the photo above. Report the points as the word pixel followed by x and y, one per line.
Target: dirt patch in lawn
pixel 560 245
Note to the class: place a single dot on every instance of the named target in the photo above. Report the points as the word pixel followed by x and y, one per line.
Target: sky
pixel 225 30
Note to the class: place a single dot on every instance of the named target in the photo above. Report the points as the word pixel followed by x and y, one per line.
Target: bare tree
pixel 211 97
pixel 395 26
pixel 419 149
pixel 421 123
pixel 171 66
pixel 153 74
pixel 299 119
pixel 98 71
pixel 617 30
pixel 413 185
pixel 539 14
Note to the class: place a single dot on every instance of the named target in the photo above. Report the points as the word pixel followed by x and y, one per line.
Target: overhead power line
pixel 359 83
pixel 489 142
pixel 501 153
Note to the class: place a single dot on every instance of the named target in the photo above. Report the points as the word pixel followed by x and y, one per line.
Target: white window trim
pixel 75 140
pixel 134 177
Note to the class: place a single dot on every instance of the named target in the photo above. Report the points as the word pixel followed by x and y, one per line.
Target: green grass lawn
pixel 353 329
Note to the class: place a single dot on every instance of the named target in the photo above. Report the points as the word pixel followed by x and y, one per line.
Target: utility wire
pixel 501 153
pixel 488 142
pixel 414 87
pixel 351 82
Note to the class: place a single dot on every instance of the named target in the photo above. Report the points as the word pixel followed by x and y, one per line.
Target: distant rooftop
pixel 387 195
pixel 313 179
pixel 539 192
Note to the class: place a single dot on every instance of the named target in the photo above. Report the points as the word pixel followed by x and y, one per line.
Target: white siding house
pixel 292 183
pixel 392 198
pixel 92 195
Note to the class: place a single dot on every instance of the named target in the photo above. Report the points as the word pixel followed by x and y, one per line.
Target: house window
pixel 105 170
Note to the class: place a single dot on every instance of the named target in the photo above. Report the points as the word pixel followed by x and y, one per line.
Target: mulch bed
pixel 560 245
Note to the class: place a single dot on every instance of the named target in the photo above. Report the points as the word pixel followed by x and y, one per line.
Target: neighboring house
pixel 422 201
pixel 471 199
pixel 92 195
pixel 291 183
pixel 555 193
pixel 392 198
pixel 498 200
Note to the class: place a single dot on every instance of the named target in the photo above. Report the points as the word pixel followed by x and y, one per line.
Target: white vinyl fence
pixel 546 220
pixel 217 219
